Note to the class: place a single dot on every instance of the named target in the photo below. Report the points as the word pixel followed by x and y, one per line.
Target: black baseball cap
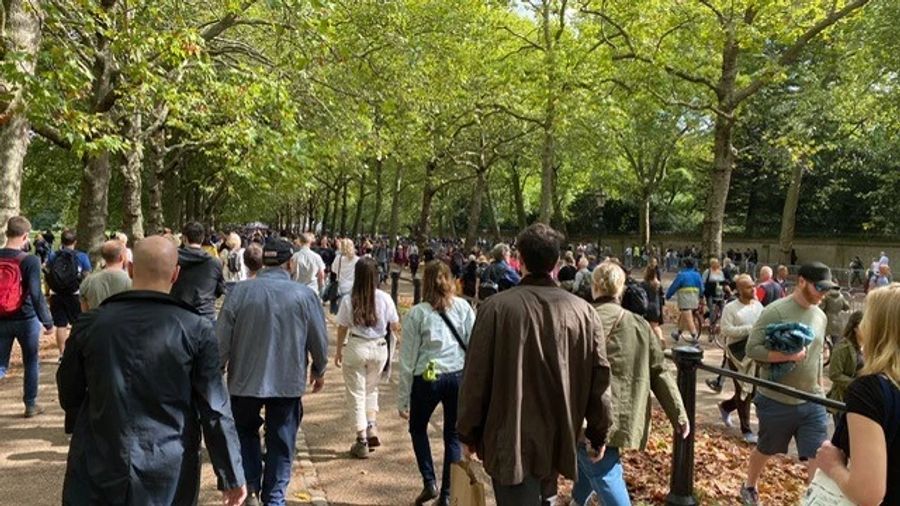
pixel 276 252
pixel 819 275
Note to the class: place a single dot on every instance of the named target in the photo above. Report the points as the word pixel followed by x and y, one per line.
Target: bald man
pixel 768 290
pixel 139 382
pixel 113 279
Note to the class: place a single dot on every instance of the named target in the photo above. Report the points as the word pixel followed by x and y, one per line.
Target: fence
pixel 688 359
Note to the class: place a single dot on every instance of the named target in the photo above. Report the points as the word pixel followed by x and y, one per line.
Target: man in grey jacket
pixel 268 329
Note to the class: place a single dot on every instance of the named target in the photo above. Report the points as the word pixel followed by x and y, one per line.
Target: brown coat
pixel 535 370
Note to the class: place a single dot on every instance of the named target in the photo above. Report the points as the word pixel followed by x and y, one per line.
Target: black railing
pixel 688 359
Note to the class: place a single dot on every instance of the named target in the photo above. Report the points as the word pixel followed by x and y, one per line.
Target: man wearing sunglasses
pixel 781 417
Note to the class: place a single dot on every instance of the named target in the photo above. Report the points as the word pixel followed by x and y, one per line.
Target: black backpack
pixel 635 298
pixel 234 262
pixel 489 285
pixel 64 273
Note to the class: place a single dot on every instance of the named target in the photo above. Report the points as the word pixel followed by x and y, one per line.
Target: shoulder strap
pixel 616 323
pixel 453 330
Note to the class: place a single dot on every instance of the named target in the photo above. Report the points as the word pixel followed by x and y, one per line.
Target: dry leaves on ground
pixel 720 466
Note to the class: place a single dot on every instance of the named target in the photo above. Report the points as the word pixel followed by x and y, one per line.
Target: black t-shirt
pixel 865 397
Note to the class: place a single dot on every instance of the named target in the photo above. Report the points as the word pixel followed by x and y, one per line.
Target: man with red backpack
pixel 23 309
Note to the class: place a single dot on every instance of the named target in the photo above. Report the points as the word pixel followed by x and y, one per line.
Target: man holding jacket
pixel 139 382
pixel 535 370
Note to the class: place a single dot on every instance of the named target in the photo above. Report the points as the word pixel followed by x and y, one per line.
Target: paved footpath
pixel 33 451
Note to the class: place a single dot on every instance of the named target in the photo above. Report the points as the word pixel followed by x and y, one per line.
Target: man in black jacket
pixel 201 281
pixel 139 381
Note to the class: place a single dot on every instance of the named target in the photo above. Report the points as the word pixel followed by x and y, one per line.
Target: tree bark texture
pixel 645 219
pixel 423 228
pixel 93 207
pixel 155 174
pixel 360 200
pixel 789 215
pixel 395 206
pixel 132 214
pixel 518 189
pixel 475 206
pixel 345 183
pixel 495 225
pixel 20 34
pixel 379 197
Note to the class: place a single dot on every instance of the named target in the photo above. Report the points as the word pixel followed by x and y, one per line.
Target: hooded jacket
pixel 140 379
pixel 200 282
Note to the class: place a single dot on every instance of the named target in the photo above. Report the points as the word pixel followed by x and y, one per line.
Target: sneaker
pixel 750 438
pixel 372 437
pixel 715 386
pixel 676 335
pixel 726 416
pixel 360 449
pixel 252 499
pixel 32 411
pixel 749 496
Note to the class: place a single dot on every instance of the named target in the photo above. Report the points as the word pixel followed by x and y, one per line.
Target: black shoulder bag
pixel 453 330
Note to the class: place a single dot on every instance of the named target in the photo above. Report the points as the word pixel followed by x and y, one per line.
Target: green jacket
pixel 638 366
pixel 842 369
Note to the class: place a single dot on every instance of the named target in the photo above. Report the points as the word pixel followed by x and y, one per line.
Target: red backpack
pixel 11 293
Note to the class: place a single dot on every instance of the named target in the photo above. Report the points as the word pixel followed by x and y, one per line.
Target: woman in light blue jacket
pixel 432 355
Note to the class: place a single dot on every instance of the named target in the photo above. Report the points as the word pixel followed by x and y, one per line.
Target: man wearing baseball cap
pixel 268 329
pixel 781 417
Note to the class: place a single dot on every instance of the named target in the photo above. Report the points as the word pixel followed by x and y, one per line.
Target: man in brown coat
pixel 535 370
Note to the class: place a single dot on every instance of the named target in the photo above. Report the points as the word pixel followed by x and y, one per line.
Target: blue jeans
pixel 283 415
pixel 604 477
pixel 28 333
pixel 423 400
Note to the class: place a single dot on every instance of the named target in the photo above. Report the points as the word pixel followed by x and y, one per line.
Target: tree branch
pixel 52 135
pixel 523 38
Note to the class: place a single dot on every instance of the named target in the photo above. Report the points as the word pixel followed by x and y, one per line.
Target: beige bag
pixel 465 488
pixel 823 491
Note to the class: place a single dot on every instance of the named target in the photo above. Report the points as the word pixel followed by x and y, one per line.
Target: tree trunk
pixel 423 228
pixel 334 209
pixel 361 198
pixel 395 206
pixel 155 175
pixel 752 206
pixel 132 214
pixel 789 215
pixel 475 210
pixel 720 180
pixel 518 195
pixel 548 145
pixel 645 217
pixel 495 225
pixel 345 183
pixel 379 198
pixel 19 32
pixel 93 208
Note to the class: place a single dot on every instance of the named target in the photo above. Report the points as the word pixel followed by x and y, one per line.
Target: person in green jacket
pixel 638 368
pixel 846 359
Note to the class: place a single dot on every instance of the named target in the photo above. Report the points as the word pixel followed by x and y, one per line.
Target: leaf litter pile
pixel 720 467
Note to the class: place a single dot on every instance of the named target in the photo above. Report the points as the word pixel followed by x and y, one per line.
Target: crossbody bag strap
pixel 459 340
pixel 616 323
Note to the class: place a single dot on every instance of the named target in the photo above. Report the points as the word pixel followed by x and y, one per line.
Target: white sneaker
pixel 750 438
pixel 726 417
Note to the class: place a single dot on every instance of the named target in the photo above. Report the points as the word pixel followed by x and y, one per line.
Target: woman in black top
pixel 868 434
pixel 656 300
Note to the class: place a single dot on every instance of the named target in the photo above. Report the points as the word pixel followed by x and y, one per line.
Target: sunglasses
pixel 823 287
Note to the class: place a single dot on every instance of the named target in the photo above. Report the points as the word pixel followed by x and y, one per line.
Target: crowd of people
pixel 198 333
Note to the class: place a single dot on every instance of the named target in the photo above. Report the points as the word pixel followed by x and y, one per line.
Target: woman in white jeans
pixel 363 319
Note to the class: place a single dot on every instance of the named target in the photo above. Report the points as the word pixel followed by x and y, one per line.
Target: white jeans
pixel 364 360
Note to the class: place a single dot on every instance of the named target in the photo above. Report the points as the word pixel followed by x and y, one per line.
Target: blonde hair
pixel 347 249
pixel 233 242
pixel 609 279
pixel 714 264
pixel 880 332
pixel 122 238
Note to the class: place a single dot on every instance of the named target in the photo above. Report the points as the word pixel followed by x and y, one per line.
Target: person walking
pixel 65 270
pixel 270 328
pixel 24 315
pixel 113 279
pixel 689 288
pixel 201 280
pixel 846 358
pixel 343 268
pixel 738 319
pixel 863 457
pixel 521 403
pixel 631 346
pixel 656 301
pixel 768 290
pixel 232 258
pixel 140 383
pixel 364 320
pixel 781 417
pixel 436 334
pixel 309 268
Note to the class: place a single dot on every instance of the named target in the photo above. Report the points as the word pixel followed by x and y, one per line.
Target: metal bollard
pixel 681 487
pixel 395 286
pixel 417 291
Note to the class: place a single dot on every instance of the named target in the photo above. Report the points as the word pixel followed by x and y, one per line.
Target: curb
pixel 309 474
